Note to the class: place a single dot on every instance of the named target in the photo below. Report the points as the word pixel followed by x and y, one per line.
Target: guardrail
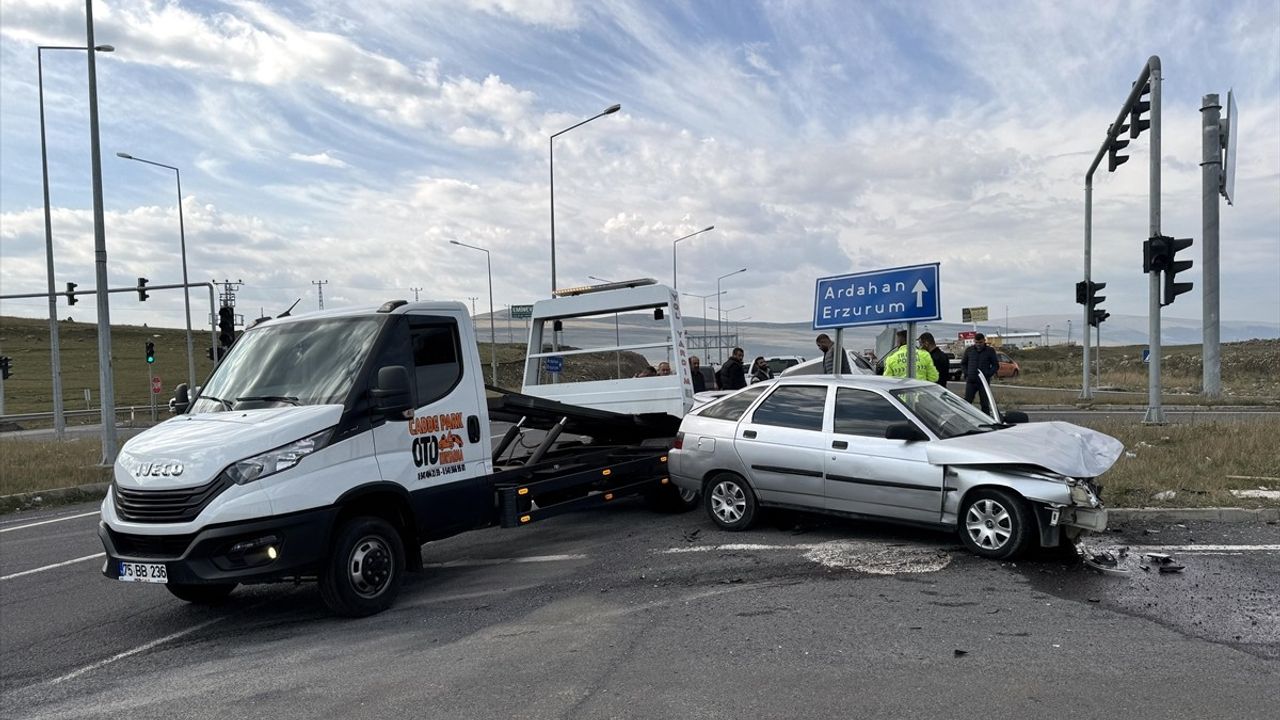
pixel 131 410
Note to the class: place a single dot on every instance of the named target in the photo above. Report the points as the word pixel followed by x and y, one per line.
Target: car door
pixel 439 455
pixel 871 475
pixel 782 444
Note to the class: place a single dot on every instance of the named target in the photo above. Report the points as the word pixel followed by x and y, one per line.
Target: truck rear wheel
pixel 363 573
pixel 201 594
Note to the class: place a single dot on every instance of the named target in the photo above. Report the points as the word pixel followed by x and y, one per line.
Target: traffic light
pixel 1087 295
pixel 5 365
pixel 1113 160
pixel 1136 123
pixel 226 326
pixel 71 293
pixel 1098 316
pixel 1159 254
pixel 142 290
pixel 151 352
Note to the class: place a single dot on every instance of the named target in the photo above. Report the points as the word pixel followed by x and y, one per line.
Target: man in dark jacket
pixel 731 375
pixel 940 359
pixel 978 358
pixel 695 374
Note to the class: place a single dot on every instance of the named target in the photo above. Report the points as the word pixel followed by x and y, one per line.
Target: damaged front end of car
pixel 1064 507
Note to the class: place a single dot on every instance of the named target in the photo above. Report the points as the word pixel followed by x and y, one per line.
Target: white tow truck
pixel 330 446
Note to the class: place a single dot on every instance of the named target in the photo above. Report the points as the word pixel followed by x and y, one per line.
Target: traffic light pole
pixel 151 394
pixel 1155 413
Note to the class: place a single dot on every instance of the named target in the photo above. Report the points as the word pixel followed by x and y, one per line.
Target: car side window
pixel 862 412
pixel 437 356
pixel 793 406
pixel 732 407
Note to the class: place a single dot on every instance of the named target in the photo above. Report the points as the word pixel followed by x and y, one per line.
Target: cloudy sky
pixel 349 142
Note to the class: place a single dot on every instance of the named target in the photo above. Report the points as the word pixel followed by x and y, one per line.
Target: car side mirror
pixel 1015 417
pixel 391 395
pixel 904 431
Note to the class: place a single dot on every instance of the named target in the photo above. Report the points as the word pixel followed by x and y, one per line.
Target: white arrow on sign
pixel 920 290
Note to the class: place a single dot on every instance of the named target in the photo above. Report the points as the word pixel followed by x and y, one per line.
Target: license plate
pixel 143 572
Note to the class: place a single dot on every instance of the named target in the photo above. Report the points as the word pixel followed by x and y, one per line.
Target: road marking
pixel 737 546
pixel 1204 548
pixel 46 522
pixel 50 567
pixel 482 562
pixel 127 653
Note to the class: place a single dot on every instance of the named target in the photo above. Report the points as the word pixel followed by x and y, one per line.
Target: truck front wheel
pixel 362 576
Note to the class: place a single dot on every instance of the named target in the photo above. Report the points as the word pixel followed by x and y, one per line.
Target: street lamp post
pixel 674 284
pixel 551 154
pixel 493 334
pixel 59 422
pixel 182 239
pixel 719 325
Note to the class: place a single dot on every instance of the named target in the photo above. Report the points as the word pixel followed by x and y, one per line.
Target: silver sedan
pixel 893 449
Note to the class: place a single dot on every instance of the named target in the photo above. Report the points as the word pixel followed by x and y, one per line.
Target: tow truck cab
pixel 329 446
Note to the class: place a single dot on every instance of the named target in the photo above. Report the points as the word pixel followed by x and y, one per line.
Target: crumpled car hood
pixel 1059 447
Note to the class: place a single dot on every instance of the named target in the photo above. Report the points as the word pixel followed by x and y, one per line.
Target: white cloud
pixel 321 158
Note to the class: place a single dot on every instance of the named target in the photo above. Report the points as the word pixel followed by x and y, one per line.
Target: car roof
pixel 864 382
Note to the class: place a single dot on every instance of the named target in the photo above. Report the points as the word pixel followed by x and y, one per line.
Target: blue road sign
pixel 1146 356
pixel 553 364
pixel 878 297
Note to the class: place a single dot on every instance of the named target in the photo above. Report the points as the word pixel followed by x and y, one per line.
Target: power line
pixel 320 290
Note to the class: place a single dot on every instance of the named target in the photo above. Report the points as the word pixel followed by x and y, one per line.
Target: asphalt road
pixel 623 613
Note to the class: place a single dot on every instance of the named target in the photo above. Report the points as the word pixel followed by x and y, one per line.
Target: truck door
pixel 441 454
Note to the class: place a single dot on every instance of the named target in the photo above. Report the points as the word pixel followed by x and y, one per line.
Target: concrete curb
pixel 57 496
pixel 1214 514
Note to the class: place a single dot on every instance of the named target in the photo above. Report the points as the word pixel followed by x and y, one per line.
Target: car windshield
pixel 295 363
pixel 943 412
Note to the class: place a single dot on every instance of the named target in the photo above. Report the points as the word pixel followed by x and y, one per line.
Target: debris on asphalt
pixel 692 535
pixel 961 653
pixel 1162 562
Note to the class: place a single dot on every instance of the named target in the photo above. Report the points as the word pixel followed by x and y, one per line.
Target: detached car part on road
pixel 892 449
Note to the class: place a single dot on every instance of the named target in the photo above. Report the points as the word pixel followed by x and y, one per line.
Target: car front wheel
pixel 730 502
pixel 996 524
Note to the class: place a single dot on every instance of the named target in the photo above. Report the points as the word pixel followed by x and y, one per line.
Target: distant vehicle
pixel 780 363
pixel 1008 367
pixel 894 449
pixel 856 363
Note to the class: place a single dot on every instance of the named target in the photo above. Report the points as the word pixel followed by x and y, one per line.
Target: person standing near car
pixel 827 348
pixel 760 370
pixel 895 363
pixel 731 375
pixel 978 358
pixel 695 374
pixel 941 362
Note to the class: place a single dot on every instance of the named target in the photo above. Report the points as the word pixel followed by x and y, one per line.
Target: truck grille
pixel 167 506
pixel 150 546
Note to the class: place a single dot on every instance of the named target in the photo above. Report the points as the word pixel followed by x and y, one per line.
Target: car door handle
pixel 748 433
pixel 840 444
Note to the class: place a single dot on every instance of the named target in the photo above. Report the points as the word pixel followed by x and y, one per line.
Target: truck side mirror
pixel 391 395
pixel 657 314
pixel 904 431
pixel 1015 417
pixel 181 399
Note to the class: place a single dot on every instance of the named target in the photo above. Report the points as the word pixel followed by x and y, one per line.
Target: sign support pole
pixel 836 351
pixel 911 351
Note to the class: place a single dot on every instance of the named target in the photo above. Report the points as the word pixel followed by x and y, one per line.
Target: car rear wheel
pixel 671 498
pixel 364 570
pixel 996 524
pixel 730 502
pixel 201 594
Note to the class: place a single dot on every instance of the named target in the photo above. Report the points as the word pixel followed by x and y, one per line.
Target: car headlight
pixel 1083 496
pixel 282 458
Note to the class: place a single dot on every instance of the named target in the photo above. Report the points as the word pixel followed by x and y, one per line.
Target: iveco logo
pixel 172 469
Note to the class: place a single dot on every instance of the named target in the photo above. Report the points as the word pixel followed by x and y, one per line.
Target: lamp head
pixel 105 48
pixel 126 156
pixel 612 109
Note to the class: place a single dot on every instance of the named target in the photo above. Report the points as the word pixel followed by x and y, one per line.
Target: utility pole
pixel 472 298
pixel 320 291
pixel 415 293
pixel 1216 136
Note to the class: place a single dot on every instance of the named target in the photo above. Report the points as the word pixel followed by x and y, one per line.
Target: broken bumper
pixel 1094 519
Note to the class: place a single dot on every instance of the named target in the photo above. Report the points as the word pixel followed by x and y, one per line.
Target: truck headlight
pixel 282 458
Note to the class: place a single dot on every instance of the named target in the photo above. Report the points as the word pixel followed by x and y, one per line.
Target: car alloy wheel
pixel 728 501
pixel 989 524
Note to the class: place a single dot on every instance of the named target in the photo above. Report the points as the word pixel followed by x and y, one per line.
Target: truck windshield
pixel 944 412
pixel 294 363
